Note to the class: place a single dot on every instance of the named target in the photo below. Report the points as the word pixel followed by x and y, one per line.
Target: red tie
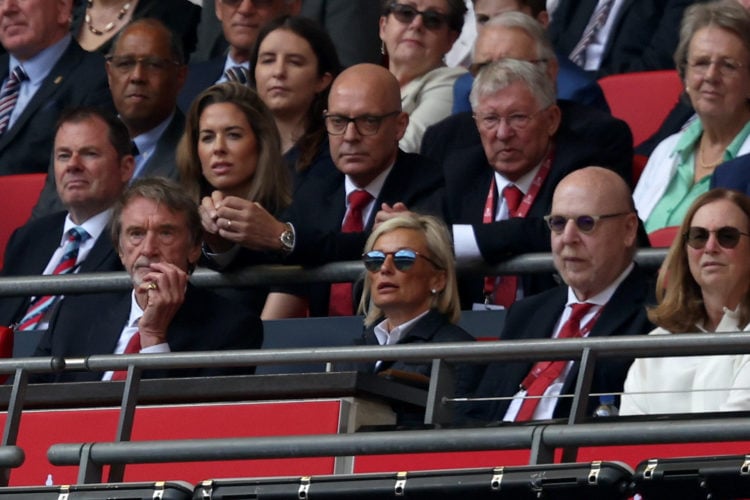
pixel 543 373
pixel 340 303
pixel 133 347
pixel 503 288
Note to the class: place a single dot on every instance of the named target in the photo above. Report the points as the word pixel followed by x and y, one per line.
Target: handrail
pixel 276 274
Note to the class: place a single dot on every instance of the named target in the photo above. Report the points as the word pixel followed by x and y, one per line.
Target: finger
pixel 218 198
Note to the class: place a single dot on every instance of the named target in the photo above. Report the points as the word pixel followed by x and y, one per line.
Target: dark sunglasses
pixel 431 19
pixel 584 223
pixel 403 259
pixel 727 236
pixel 259 4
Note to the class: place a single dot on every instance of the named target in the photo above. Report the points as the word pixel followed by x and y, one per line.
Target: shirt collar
pixel 524 183
pixel 397 333
pixel 373 188
pixel 93 225
pixel 135 310
pixel 231 63
pixel 38 67
pixel 601 298
pixel 147 140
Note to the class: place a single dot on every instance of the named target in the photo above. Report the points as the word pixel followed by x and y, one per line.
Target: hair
pixel 440 250
pixel 162 191
pixel 725 14
pixel 117 132
pixel 680 301
pixel 327 61
pixel 175 43
pixel 270 184
pixel 536 6
pixel 532 27
pixel 456 11
pixel 498 75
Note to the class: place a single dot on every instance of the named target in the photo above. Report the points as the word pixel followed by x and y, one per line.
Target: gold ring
pixel 152 285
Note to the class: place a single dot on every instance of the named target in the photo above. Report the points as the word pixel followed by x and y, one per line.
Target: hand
pixel 388 212
pixel 160 295
pixel 208 210
pixel 248 224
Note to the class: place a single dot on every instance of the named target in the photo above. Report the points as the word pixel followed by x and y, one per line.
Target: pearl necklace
pixel 110 26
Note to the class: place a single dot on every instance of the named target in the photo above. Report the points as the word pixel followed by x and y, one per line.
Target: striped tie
pixel 9 95
pixel 39 306
pixel 597 21
pixel 238 74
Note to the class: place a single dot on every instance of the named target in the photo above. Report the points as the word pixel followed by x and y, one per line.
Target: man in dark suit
pixel 157 232
pixel 241 20
pixel 56 73
pixel 364 122
pixel 593 235
pixel 92 166
pixel 640 36
pixel 145 96
pixel 734 174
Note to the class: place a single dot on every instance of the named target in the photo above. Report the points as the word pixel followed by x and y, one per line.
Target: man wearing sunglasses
pixel 593 231
pixel 241 20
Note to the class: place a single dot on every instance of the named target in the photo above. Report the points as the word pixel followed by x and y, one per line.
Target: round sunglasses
pixel 403 259
pixel 431 19
pixel 728 237
pixel 584 223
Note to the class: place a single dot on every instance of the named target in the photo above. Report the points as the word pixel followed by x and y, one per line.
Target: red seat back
pixel 19 194
pixel 663 238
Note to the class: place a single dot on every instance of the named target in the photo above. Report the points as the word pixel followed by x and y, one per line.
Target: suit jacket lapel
pixel 162 162
pixel 103 335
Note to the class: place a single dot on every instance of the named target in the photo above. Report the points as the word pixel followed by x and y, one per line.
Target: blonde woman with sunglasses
pixel 705 287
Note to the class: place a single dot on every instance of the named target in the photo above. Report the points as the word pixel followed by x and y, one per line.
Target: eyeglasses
pixel 725 67
pixel 431 19
pixel 476 67
pixel 403 259
pixel 517 121
pixel 126 64
pixel 259 4
pixel 584 223
pixel 365 124
pixel 728 237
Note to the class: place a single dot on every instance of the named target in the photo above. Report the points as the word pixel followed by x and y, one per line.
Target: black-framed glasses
pixel 365 124
pixel 728 237
pixel 260 4
pixel 126 64
pixel 475 68
pixel 403 259
pixel 584 223
pixel 431 19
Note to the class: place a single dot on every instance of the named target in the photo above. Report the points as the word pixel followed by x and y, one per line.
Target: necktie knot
pixel 359 199
pixel 513 197
pixel 578 311
pixel 238 74
pixel 78 234
pixel 18 74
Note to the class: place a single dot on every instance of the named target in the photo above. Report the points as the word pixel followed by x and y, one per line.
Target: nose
pixel 246 6
pixel 417 22
pixel 351 133
pixel 149 245
pixel 279 68
pixel 712 243
pixel 570 232
pixel 388 267
pixel 139 72
pixel 712 72
pixel 504 130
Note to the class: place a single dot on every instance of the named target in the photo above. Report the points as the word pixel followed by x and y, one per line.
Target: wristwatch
pixel 287 239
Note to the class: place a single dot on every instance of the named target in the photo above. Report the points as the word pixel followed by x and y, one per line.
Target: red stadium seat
pixel 663 238
pixel 19 194
pixel 642 99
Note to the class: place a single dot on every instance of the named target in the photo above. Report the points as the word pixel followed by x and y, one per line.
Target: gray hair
pixel 501 74
pixel 532 27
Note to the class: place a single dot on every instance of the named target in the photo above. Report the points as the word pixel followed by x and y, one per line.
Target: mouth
pixel 384 287
pixel 221 168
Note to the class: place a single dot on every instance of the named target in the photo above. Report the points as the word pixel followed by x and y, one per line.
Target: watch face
pixel 287 239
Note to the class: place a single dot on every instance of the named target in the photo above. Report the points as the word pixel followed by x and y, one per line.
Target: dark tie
pixel 39 307
pixel 543 373
pixel 238 74
pixel 133 347
pixel 505 287
pixel 340 303
pixel 9 95
pixel 595 24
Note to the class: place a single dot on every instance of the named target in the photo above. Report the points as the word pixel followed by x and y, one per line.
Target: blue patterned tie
pixel 596 23
pixel 238 74
pixel 9 95
pixel 39 306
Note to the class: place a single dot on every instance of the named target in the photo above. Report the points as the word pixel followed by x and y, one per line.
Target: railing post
pixel 437 411
pixel 127 414
pixel 88 471
pixel 580 398
pixel 13 418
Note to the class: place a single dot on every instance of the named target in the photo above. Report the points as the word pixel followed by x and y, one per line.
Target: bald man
pixel 593 232
pixel 364 123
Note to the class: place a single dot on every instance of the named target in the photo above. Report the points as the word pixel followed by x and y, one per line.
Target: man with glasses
pixel 593 231
pixel 241 20
pixel 330 217
pixel 146 69
pixel 43 72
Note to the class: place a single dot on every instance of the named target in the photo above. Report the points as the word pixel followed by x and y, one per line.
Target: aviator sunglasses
pixel 431 19
pixel 584 223
pixel 403 259
pixel 728 237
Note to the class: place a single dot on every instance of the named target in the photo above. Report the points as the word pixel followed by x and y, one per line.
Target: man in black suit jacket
pixel 596 262
pixel 240 24
pixel 734 174
pixel 158 234
pixel 145 99
pixel 643 36
pixel 92 165
pixel 60 75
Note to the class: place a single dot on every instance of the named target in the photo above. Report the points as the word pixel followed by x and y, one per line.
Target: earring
pixel 382 47
pixel 434 292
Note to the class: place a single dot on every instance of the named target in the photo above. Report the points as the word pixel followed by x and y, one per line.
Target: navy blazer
pixel 644 35
pixel 734 174
pixel 535 318
pixel 201 75
pixel 77 79
pixel 29 250
pixel 204 322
